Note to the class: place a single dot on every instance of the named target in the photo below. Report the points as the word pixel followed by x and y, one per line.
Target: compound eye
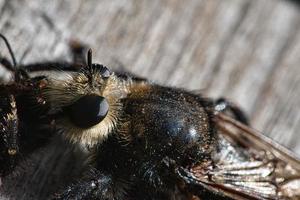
pixel 105 73
pixel 88 111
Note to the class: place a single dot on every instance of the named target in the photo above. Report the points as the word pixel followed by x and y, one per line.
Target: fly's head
pixel 86 103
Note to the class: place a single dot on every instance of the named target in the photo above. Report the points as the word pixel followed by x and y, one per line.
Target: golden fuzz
pixel 63 92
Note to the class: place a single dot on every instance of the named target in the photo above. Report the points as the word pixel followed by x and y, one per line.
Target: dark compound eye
pixel 105 72
pixel 88 111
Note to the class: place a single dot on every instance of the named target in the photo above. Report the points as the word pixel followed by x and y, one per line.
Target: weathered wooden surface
pixel 246 50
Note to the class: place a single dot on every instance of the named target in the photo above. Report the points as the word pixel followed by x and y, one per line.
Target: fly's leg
pixel 5 75
pixel 224 105
pixel 9 121
pixel 96 186
pixel 5 63
pixel 9 146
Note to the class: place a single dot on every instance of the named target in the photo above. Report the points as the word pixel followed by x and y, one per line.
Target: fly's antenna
pixel 89 63
pixel 9 49
pixel 89 59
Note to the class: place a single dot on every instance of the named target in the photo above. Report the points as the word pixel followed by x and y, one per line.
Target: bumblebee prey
pixel 142 140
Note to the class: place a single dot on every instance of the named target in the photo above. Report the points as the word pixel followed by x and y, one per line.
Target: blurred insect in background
pixel 142 140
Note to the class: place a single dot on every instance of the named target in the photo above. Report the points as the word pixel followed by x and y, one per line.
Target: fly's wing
pixel 246 165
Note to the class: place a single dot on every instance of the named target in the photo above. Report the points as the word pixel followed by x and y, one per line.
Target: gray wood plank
pixel 246 50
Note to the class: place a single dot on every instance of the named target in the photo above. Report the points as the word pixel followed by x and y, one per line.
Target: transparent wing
pixel 246 165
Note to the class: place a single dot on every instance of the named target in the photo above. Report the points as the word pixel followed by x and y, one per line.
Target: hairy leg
pixel 9 146
pixel 96 186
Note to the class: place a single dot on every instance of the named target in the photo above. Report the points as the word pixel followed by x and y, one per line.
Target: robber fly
pixel 143 140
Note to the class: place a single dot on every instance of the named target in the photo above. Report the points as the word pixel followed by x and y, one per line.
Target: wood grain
pixel 245 50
